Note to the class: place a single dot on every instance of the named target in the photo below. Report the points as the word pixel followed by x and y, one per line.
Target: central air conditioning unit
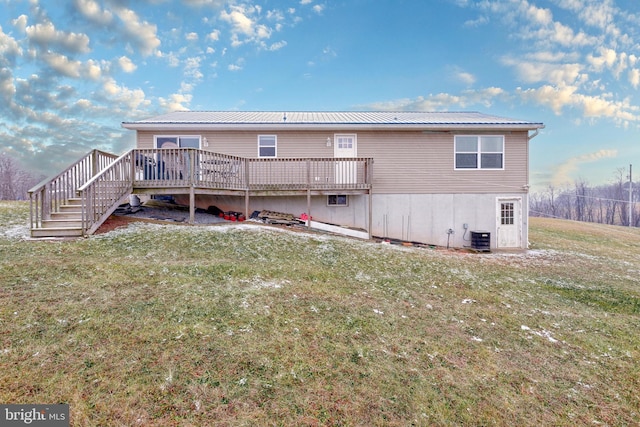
pixel 481 241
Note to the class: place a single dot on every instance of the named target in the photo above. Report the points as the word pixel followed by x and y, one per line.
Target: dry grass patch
pixel 249 325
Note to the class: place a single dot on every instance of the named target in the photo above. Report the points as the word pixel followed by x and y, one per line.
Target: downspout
pixel 535 133
pixel 529 138
pixel 525 215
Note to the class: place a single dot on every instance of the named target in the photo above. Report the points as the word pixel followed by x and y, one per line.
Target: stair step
pixel 70 208
pixel 56 232
pixel 60 216
pixel 62 223
pixel 74 201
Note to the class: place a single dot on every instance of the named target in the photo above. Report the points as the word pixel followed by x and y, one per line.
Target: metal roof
pixel 270 120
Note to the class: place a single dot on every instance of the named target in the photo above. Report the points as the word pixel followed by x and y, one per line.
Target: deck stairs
pixel 60 205
pixel 66 222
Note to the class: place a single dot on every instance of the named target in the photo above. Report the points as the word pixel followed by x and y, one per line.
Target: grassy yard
pixel 244 325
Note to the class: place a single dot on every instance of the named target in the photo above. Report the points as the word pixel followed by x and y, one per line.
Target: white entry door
pixel 509 224
pixel 345 146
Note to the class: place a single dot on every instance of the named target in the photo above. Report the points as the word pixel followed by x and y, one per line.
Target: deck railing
pixel 185 167
pixel 102 193
pixel 309 173
pixel 50 194
pixel 103 180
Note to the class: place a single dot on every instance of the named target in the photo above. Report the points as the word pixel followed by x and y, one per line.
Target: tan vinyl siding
pixel 405 162
pixel 417 163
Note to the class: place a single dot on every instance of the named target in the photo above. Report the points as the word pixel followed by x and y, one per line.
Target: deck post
pixel 309 193
pixel 192 205
pixel 370 214
pixel 246 204
pixel 308 207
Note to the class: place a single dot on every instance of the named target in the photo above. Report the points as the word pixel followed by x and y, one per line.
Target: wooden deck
pixel 92 188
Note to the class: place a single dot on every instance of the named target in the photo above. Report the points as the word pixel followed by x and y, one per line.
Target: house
pixel 452 179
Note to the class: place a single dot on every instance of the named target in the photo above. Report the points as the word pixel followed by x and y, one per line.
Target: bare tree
pixel 14 180
pixel 603 204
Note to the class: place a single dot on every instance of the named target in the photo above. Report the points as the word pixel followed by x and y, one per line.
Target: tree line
pixel 605 204
pixel 15 180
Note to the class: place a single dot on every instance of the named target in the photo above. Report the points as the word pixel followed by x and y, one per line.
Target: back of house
pixel 457 179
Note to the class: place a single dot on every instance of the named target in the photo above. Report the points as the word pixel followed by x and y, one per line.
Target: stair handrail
pixel 104 192
pixel 48 195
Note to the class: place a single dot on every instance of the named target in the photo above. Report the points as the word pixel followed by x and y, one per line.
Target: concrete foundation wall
pixel 426 218
pixel 423 218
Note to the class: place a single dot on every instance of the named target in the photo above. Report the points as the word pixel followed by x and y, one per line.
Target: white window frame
pixel 177 139
pixel 274 146
pixel 478 152
pixel 339 200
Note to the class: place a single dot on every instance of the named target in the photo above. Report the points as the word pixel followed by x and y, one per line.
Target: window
pixel 179 141
pixel 267 145
pixel 506 213
pixel 479 152
pixel 345 142
pixel 338 200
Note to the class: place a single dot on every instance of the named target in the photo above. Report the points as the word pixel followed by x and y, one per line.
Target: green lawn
pixel 162 325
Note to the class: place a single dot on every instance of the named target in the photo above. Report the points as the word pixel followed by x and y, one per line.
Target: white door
pixel 509 226
pixel 345 146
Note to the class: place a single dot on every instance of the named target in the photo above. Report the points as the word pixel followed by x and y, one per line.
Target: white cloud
pixel 20 23
pixel 214 35
pixel 192 68
pixel 548 72
pixel 466 78
pixel 239 20
pixel 441 101
pixel 7 87
pixel 247 28
pixel 559 97
pixel 91 10
pixel 62 64
pixel 478 22
pixel 126 64
pixel 46 34
pixel 634 78
pixel 606 59
pixel 318 8
pixel 277 45
pixel 128 98
pixel 8 46
pixel 175 102
pixel 191 36
pixel 564 173
pixel 142 33
pixel 538 15
pixel 93 70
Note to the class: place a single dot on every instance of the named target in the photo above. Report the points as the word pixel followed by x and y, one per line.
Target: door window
pixel 507 213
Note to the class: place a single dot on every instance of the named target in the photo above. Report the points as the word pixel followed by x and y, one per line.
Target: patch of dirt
pixel 116 221
pixel 157 213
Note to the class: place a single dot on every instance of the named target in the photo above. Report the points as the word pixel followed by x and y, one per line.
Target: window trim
pixel 177 137
pixel 478 152
pixel 337 199
pixel 275 145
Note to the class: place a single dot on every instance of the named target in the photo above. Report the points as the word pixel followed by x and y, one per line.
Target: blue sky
pixel 72 71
